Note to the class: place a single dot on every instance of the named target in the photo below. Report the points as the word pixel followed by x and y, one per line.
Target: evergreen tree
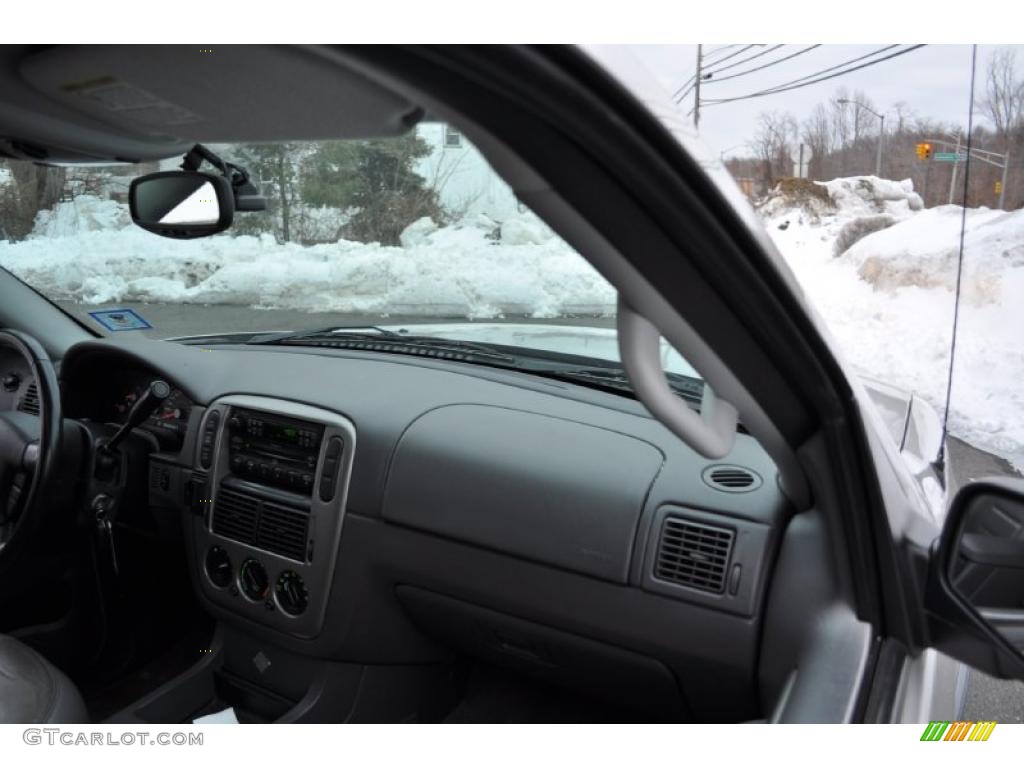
pixel 376 179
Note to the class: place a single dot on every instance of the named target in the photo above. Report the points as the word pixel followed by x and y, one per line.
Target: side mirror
pixel 182 204
pixel 976 587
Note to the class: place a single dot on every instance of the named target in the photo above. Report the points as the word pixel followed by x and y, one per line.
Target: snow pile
pixel 525 229
pixel 888 302
pixel 83 214
pixel 796 197
pixel 417 232
pixel 923 251
pixel 865 195
pixel 88 254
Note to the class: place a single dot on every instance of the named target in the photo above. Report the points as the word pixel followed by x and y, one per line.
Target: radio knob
pixel 236 424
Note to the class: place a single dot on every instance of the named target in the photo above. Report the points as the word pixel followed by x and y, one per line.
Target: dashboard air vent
pixel 29 402
pixel 236 515
pixel 283 530
pixel 693 554
pixel 275 527
pixel 731 478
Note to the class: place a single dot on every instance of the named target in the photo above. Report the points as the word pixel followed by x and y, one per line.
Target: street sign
pixel 950 157
pixel 999 187
pixel 801 155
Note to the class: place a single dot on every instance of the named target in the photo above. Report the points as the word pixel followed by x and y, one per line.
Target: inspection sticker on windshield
pixel 120 320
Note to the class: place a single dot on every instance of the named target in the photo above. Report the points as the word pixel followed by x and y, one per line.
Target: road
pixel 171 320
pixel 987 698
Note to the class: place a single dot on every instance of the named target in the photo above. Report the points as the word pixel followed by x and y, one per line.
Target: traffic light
pixel 924 151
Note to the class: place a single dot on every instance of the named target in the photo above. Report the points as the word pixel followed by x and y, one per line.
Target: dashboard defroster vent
pixel 731 478
pixel 29 402
pixel 271 526
pixel 693 554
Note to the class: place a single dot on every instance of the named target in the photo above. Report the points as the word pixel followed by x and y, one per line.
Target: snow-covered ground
pixel 888 300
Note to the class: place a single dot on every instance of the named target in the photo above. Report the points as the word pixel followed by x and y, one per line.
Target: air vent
pixel 159 477
pixel 283 530
pixel 731 478
pixel 236 515
pixel 29 402
pixel 268 525
pixel 693 554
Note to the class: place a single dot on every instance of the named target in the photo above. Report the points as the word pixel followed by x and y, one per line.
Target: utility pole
pixel 956 163
pixel 696 88
pixel 1002 184
pixel 881 138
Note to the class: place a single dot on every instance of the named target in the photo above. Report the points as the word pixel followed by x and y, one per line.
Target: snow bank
pixel 864 195
pixel 83 214
pixel 87 252
pixel 888 301
pixel 923 251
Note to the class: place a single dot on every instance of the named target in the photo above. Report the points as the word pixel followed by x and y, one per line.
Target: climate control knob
pixel 291 593
pixel 253 580
pixel 218 567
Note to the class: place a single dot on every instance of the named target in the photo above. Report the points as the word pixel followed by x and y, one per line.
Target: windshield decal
pixel 120 320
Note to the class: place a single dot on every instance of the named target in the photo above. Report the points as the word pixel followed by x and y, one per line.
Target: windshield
pixel 416 233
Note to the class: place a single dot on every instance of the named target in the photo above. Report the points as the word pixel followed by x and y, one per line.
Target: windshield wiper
pixel 330 330
pixel 390 341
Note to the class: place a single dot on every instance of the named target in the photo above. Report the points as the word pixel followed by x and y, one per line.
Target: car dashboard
pixel 381 510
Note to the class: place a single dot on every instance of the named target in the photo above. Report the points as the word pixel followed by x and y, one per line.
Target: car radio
pixel 274 450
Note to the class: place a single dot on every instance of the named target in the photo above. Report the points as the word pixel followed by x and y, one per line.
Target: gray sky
pixel 933 81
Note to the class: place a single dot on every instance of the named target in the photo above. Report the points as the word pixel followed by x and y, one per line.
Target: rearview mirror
pixel 182 204
pixel 977 590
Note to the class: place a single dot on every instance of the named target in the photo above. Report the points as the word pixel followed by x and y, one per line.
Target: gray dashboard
pixel 491 498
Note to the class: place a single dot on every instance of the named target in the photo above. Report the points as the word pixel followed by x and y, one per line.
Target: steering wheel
pixel 30 446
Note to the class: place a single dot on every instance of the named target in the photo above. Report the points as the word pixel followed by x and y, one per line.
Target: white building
pixel 466 183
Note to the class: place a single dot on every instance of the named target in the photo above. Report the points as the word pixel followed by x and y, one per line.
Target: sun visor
pixel 180 94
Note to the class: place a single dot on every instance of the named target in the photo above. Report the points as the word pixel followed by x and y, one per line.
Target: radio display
pixel 282 434
pixel 258 429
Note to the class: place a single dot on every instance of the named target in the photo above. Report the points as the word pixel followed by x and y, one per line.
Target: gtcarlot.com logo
pixel 939 730
pixel 74 738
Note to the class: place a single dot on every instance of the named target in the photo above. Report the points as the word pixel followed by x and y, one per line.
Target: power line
pixel 678 95
pixel 722 48
pixel 732 55
pixel 766 65
pixel 742 61
pixel 805 81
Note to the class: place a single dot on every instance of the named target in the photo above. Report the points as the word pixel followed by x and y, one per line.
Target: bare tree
pixel 775 132
pixel 864 121
pixel 816 133
pixel 1004 93
pixel 904 116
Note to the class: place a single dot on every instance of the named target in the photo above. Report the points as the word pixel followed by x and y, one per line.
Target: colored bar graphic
pixel 961 730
